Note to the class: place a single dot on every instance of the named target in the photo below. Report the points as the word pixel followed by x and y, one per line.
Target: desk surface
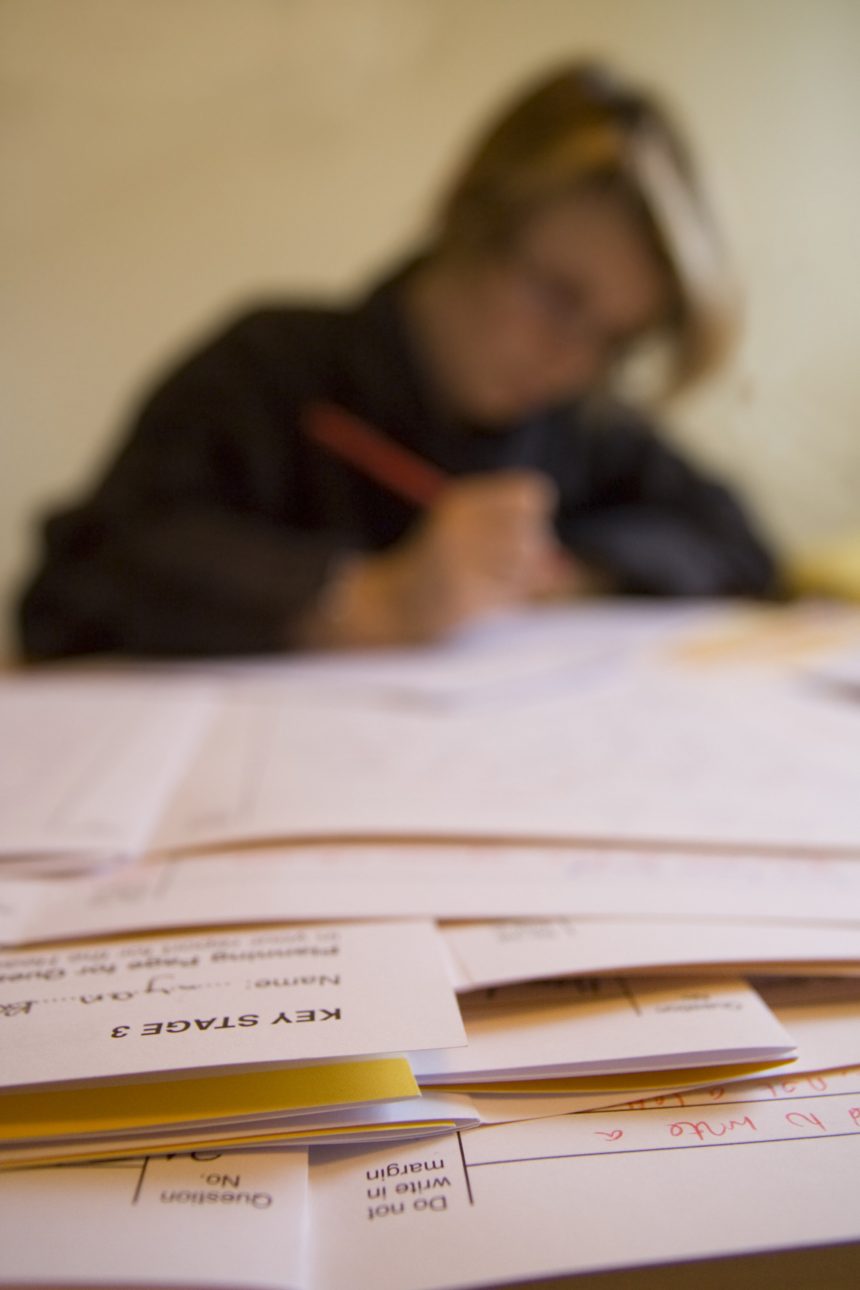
pixel 826 1268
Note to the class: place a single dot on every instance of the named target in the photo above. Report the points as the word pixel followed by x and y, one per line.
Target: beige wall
pixel 164 161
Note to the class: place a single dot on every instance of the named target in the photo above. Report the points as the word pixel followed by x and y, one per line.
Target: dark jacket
pixel 218 522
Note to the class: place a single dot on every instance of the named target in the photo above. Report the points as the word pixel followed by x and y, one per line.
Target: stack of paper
pixel 566 1030
pixel 219 1040
pixel 565 910
pixel 504 952
pixel 401 880
pixel 109 768
pixel 730 1170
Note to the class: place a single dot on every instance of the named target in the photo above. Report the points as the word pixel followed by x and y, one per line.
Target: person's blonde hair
pixel 582 129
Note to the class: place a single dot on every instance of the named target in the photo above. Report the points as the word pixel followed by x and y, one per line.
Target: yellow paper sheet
pixel 112 1109
pixel 87 1153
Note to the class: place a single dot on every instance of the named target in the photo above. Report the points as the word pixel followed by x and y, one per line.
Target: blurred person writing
pixel 451 445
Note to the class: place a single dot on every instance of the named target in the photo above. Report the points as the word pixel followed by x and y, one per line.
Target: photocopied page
pixel 768 1087
pixel 89 767
pixel 206 1219
pixel 608 1189
pixel 821 1014
pixel 599 763
pixel 499 953
pixel 104 768
pixel 216 1000
pixel 451 881
pixel 597 1026
pixel 594 1093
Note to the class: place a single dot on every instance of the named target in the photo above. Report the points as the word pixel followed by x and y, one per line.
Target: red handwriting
pixel 656 1103
pixel 787 1087
pixel 611 1135
pixel 703 1129
pixel 800 1119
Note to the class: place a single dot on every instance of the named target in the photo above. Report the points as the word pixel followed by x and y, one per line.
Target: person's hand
pixel 487 545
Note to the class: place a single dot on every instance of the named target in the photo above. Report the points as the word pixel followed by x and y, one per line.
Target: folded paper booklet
pixel 606 1027
pixel 504 952
pixel 229 1113
pixel 212 1112
pixel 209 1001
pixel 451 881
pixel 122 1015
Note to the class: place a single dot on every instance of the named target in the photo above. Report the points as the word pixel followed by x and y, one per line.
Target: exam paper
pixel 218 1000
pixel 87 768
pixel 821 1014
pixel 588 1192
pixel 105 768
pixel 765 1088
pixel 500 953
pixel 600 1026
pixel 213 1220
pixel 412 1117
pixel 453 881
pixel 248 1108
pixel 603 763
pixel 492 1205
pixel 599 1092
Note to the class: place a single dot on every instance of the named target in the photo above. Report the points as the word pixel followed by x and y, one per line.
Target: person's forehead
pixel 593 242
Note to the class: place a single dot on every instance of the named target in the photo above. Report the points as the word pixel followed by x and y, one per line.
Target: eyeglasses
pixel 564 307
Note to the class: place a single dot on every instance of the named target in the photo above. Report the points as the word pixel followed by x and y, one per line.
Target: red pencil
pixel 382 459
pixel 374 454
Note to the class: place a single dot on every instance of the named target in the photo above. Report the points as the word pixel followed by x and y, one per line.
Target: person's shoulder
pixel 276 322
pixel 263 340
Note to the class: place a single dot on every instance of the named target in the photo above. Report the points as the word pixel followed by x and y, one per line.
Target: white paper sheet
pixel 500 953
pixel 86 767
pixel 212 1219
pixel 599 1026
pixel 497 1204
pixel 839 670
pixel 603 1190
pixel 766 1088
pixel 95 762
pixel 281 884
pixel 821 1015
pixel 213 1000
pixel 604 763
